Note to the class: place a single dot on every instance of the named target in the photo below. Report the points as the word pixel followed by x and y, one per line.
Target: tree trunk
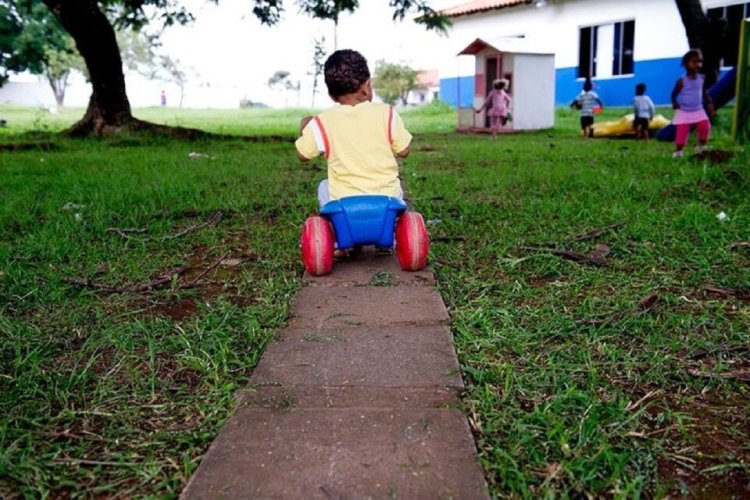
pixel 94 36
pixel 704 34
pixel 58 85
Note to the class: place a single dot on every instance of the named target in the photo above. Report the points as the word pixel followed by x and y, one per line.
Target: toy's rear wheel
pixel 412 241
pixel 316 244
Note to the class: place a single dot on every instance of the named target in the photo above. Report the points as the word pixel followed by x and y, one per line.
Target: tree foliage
pixel 31 39
pixel 392 81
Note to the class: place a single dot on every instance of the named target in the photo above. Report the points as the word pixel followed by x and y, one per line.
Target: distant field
pixel 600 305
pixel 235 121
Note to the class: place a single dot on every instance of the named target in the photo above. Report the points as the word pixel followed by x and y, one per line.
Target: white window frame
pixel 606 48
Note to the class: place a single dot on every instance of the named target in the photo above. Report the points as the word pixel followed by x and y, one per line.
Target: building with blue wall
pixel 618 43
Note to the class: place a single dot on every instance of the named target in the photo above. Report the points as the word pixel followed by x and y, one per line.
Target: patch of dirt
pixel 176 309
pixel 178 377
pixel 714 156
pixel 710 456
pixel 29 146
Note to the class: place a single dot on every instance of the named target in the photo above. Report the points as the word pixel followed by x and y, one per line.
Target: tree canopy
pixel 393 81
pixel 31 39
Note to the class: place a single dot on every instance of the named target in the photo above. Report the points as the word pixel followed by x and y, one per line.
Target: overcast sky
pixel 227 48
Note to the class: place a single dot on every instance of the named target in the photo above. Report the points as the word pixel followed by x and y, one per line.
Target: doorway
pixel 492 67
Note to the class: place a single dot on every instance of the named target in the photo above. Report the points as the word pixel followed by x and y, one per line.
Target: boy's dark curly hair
pixel 344 71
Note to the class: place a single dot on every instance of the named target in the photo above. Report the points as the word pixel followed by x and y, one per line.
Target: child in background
pixel 644 110
pixel 360 140
pixel 586 101
pixel 497 104
pixel 688 98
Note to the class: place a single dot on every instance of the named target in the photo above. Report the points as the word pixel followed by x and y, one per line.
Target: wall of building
pixel 533 101
pixel 27 93
pixel 659 43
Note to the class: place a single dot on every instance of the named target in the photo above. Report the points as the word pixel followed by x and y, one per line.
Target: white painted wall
pixel 533 92
pixel 659 32
pixel 27 93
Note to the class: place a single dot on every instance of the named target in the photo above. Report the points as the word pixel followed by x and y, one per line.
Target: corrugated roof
pixel 476 6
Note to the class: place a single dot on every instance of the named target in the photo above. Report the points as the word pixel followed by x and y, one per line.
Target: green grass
pixel 576 385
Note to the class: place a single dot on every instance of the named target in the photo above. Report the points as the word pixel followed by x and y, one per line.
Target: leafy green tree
pixel 173 71
pixel 319 55
pixel 32 40
pixel 10 30
pixel 392 81
pixel 85 20
pixel 140 52
pixel 282 80
pixel 329 9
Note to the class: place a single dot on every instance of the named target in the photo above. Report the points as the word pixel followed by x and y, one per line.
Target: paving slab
pixel 382 356
pixel 358 397
pixel 322 308
pixel 343 454
pixel 281 397
pixel 371 269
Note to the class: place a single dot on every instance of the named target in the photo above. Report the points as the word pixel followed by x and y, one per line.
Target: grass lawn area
pixel 600 308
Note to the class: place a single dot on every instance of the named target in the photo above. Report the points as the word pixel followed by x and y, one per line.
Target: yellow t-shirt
pixel 359 143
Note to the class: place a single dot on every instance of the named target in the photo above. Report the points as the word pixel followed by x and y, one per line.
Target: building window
pixel 733 14
pixel 606 50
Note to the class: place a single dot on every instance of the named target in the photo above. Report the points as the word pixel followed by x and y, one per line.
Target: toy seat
pixel 364 220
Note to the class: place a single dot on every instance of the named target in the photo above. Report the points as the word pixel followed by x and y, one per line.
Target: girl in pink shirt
pixel 497 104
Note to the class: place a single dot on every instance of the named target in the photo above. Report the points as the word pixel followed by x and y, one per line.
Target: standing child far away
pixel 497 104
pixel 643 110
pixel 586 101
pixel 359 139
pixel 688 97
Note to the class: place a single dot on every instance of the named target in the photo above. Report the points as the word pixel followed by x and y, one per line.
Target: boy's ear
pixel 366 88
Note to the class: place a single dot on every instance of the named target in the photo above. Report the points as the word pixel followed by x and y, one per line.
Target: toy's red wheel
pixel 316 244
pixel 412 241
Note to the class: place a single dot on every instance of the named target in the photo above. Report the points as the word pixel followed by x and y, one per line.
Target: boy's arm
pixel 306 145
pixel 302 158
pixel 400 137
pixel 303 123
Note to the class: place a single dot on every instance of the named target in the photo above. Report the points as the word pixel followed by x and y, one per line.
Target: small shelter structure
pixel 530 72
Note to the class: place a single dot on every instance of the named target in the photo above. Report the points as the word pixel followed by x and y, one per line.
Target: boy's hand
pixel 303 123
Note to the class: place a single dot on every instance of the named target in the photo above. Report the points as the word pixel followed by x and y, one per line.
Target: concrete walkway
pixel 358 397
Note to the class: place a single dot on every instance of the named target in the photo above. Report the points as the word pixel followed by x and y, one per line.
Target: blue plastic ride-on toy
pixel 364 220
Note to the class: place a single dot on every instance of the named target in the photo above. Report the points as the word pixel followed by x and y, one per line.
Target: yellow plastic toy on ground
pixel 624 126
